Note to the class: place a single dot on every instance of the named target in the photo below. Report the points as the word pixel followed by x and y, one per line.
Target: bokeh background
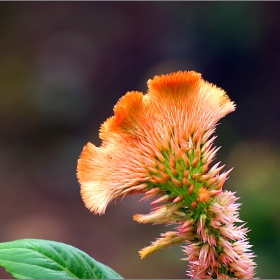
pixel 63 66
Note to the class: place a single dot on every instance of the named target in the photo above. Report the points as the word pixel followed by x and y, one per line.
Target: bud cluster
pixel 189 194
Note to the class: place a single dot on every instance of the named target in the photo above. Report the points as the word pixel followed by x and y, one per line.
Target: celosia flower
pixel 161 144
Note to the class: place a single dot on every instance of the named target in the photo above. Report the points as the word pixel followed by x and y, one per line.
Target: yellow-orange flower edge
pixel 178 113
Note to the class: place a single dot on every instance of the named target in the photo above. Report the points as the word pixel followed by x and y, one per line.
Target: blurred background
pixel 63 66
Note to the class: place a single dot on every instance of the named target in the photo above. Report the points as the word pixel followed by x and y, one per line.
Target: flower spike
pixel 161 144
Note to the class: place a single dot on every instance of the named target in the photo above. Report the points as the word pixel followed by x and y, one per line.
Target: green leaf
pixel 37 259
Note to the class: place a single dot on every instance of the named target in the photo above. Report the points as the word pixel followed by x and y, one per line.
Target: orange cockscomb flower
pixel 161 144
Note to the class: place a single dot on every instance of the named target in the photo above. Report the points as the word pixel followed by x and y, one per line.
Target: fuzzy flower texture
pixel 161 144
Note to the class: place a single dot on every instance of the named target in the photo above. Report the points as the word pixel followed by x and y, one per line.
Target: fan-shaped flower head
pixel 161 144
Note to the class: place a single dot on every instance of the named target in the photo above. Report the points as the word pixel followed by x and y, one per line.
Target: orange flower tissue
pixel 161 144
